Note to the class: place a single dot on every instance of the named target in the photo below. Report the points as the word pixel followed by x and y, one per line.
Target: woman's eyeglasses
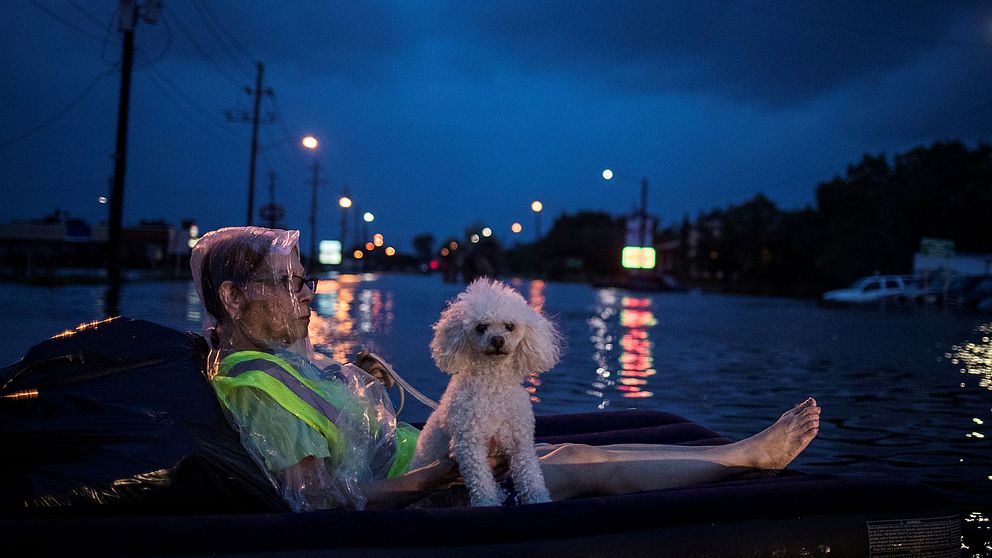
pixel 294 283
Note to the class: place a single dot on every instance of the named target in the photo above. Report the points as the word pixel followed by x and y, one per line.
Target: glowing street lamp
pixel 344 202
pixel 536 206
pixel 368 217
pixel 516 228
pixel 487 232
pixel 311 143
pixel 608 174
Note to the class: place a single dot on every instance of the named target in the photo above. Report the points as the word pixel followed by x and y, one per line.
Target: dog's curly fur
pixel 489 340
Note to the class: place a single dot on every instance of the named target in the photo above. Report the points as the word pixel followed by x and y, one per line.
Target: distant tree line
pixel 869 220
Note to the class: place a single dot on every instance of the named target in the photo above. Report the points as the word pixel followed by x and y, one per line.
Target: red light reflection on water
pixel 636 357
pixel 535 297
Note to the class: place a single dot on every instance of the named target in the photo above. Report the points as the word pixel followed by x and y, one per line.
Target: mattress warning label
pixel 929 536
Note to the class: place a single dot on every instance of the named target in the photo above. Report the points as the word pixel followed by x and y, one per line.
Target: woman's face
pixel 274 311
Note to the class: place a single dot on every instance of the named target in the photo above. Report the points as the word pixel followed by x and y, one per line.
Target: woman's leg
pixel 572 470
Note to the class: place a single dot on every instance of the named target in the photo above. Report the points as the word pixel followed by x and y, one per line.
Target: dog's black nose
pixel 497 341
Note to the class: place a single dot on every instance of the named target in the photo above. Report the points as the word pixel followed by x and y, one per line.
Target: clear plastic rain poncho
pixel 319 429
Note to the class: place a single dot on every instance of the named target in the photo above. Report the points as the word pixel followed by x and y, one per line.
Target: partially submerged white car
pixel 873 289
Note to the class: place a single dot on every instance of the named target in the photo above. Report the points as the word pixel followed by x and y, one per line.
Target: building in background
pixel 58 244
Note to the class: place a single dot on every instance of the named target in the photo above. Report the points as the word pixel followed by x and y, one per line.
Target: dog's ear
pixel 450 342
pixel 540 347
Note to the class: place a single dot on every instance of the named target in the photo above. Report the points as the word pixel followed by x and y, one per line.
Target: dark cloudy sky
pixel 439 114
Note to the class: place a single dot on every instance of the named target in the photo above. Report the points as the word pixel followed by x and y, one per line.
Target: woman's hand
pixel 369 363
pixel 413 485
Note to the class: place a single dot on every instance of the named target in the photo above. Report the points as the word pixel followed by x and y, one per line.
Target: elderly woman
pixel 327 434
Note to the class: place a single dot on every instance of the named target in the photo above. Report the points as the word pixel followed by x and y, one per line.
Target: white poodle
pixel 489 340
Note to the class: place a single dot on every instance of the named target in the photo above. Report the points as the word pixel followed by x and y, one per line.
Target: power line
pixel 170 36
pixel 282 120
pixel 159 84
pixel 51 120
pixel 288 138
pixel 220 25
pixel 164 81
pixel 199 48
pixel 106 36
pixel 89 16
pixel 220 40
pixel 66 22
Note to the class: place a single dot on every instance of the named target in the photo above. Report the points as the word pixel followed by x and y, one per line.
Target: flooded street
pixel 906 392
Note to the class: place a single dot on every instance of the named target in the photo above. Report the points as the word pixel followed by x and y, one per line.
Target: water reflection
pixel 628 372
pixel 536 294
pixel 343 308
pixel 193 307
pixel 636 360
pixel 981 544
pixel 535 297
pixel 976 358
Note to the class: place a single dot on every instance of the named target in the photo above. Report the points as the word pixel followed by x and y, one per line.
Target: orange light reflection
pixel 636 359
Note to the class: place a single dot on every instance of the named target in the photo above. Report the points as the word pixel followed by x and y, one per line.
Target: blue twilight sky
pixel 439 114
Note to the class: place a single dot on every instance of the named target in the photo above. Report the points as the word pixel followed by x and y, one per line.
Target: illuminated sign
pixel 330 252
pixel 638 257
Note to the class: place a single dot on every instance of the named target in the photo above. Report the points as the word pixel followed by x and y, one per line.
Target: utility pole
pixel 644 211
pixel 127 21
pixel 358 228
pixel 272 199
pixel 313 215
pixel 255 118
pixel 254 142
pixel 344 219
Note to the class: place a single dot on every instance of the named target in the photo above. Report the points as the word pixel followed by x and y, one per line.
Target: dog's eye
pixel 481 328
pixel 509 327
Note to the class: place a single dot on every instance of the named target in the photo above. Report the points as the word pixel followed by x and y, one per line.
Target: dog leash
pixel 403 385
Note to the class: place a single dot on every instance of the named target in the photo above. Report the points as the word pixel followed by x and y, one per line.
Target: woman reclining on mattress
pixel 327 434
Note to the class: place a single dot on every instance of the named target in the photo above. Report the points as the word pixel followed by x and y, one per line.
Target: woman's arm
pixel 311 479
pixel 410 487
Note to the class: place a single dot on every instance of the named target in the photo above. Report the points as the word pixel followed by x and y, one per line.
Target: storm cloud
pixel 436 115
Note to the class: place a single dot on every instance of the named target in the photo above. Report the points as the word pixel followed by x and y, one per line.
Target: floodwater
pixel 906 392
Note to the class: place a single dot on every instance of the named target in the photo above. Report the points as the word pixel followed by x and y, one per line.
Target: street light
pixel 536 206
pixel 516 227
pixel 642 213
pixel 311 143
pixel 344 202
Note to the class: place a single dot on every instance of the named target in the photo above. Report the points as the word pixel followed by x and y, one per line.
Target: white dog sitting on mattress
pixel 489 340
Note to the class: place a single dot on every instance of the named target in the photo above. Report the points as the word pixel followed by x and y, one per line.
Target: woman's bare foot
pixel 776 446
